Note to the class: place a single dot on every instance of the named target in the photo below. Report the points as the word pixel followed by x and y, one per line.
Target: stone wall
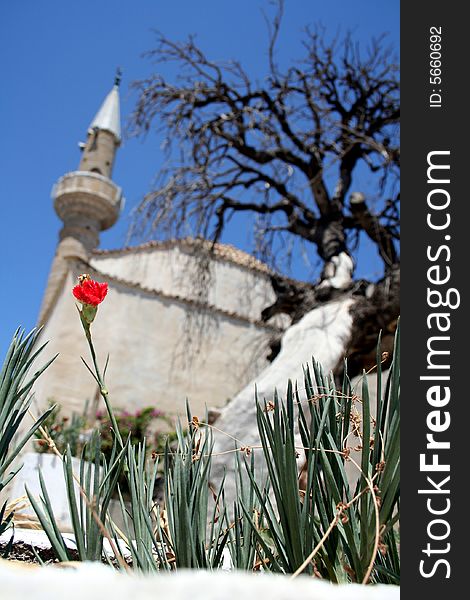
pixel 149 326
pixel 171 269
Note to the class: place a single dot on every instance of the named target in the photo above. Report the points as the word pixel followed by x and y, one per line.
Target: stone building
pixel 151 321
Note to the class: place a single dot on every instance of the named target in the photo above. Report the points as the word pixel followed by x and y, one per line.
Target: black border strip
pixel 436 123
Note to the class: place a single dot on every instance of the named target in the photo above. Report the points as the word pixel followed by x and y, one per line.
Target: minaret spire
pixel 87 201
pixel 118 77
pixel 104 134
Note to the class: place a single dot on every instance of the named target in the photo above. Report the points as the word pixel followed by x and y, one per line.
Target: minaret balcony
pixel 88 193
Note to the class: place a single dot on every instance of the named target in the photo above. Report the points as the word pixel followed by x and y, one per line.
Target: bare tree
pixel 284 150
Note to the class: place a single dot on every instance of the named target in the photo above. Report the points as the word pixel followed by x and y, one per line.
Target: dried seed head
pixel 383 548
pixel 379 467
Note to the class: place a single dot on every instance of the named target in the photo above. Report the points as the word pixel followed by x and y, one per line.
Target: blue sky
pixel 58 59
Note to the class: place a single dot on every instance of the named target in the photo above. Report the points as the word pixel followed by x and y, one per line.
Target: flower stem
pixel 103 390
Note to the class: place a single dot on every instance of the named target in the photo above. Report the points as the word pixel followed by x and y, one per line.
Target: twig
pixel 334 522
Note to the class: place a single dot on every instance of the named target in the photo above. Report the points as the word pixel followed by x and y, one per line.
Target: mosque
pixel 153 313
pixel 166 342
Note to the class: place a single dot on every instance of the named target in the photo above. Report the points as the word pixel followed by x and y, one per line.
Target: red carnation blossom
pixel 89 291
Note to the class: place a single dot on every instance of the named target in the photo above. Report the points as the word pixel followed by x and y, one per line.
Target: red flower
pixel 89 291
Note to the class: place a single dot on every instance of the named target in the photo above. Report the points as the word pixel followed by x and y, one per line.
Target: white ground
pixel 92 581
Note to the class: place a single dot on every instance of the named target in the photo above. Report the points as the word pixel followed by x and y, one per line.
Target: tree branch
pixel 374 229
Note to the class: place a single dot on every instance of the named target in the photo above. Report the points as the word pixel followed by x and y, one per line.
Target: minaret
pixel 87 201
